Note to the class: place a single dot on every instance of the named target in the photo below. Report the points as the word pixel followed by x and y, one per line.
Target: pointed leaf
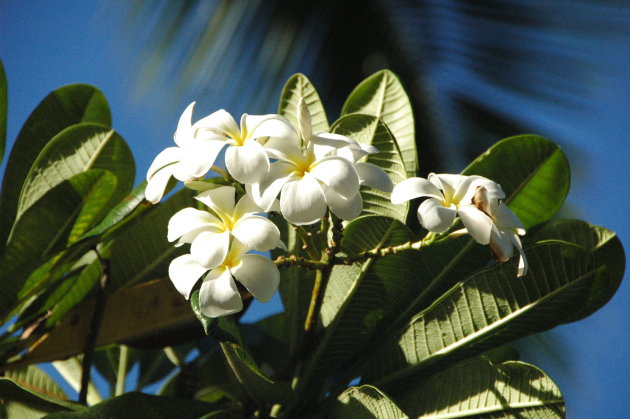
pixel 296 87
pixel 43 231
pixel 74 150
pixel 370 130
pixel 206 322
pixel 491 308
pixel 382 95
pixel 62 108
pixel 29 392
pixel 533 171
pixel 365 402
pixel 477 387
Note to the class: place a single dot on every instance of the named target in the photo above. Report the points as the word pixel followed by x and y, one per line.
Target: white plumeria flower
pixel 245 158
pixel 311 177
pixel 219 295
pixel 210 233
pixel 504 237
pixel 192 158
pixel 451 196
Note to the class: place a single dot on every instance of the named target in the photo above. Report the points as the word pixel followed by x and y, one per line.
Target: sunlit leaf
pixel 296 87
pixel 370 130
pixel 478 388
pixel 31 393
pixel 382 95
pixel 74 150
pixel 492 308
pixel 365 402
pixel 62 108
pixel 533 171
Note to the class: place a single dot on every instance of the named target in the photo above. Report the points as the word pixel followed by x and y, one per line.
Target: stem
pixel 173 356
pixel 121 375
pixel 282 261
pixel 221 171
pixel 92 332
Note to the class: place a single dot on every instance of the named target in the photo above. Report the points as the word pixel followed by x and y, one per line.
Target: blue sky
pixel 47 44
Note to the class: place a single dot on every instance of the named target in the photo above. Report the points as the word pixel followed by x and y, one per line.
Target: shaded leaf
pixel 533 172
pixel 141 406
pixel 370 130
pixel 365 402
pixel 381 95
pixel 296 87
pixel 74 150
pixel 491 308
pixel 478 388
pixel 43 231
pixel 141 248
pixel 62 108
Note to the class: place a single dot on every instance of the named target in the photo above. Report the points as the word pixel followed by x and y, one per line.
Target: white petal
pixel 209 249
pixel 373 176
pixel 246 206
pixel 501 245
pixel 190 220
pixel 185 272
pixel 344 208
pixel 220 122
pixel 274 126
pixel 479 225
pixel 304 120
pixel 415 187
pixel 166 157
pixel 492 193
pixel 435 217
pixel 259 275
pixel 453 187
pixel 506 219
pixel 284 149
pixel 257 233
pixel 157 185
pixel 220 200
pixel 522 260
pixel 247 163
pixel 265 192
pixel 333 140
pixel 303 202
pixel 184 133
pixel 197 159
pixel 218 295
pixel 338 174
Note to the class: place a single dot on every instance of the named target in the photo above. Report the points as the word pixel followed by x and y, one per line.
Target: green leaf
pixel 130 206
pixel 599 241
pixel 533 171
pixel 296 87
pixel 29 392
pixel 141 248
pixel 489 309
pixel 382 95
pixel 478 388
pixel 75 150
pixel 62 108
pixel 207 322
pixel 359 299
pixel 140 406
pixel 370 130
pixel 3 110
pixel 257 385
pixel 365 402
pixel 43 231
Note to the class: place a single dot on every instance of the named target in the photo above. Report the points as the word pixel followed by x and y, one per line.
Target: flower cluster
pixel 310 172
pixel 478 203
